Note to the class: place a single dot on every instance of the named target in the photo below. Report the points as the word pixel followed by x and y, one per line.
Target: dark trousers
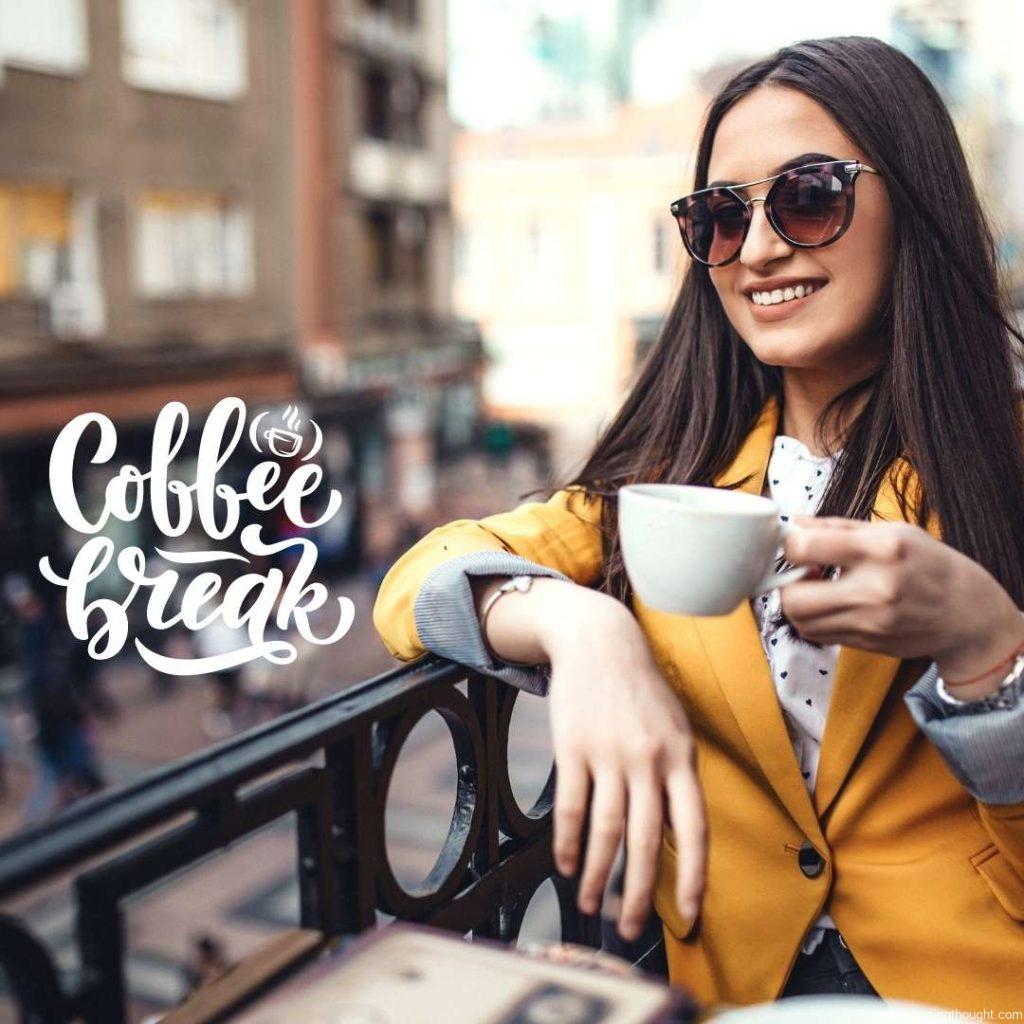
pixel 829 969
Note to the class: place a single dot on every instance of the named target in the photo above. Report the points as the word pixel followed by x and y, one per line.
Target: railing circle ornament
pixel 448 873
pixel 516 822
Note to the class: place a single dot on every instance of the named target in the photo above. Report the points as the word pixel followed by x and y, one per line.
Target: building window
pixel 542 249
pixel 462 251
pixel 195 47
pixel 393 105
pixel 395 245
pixel 376 120
pixel 412 227
pixel 379 245
pixel 660 245
pixel 402 10
pixel 50 254
pixel 407 10
pixel 44 35
pixel 192 244
pixel 35 235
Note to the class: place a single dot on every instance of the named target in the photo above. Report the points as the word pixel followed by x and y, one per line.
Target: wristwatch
pixel 517 583
pixel 1007 697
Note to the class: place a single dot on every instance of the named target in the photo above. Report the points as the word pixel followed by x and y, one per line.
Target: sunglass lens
pixel 714 226
pixel 810 206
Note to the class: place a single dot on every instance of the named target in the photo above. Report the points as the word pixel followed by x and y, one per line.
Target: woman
pixel 838 344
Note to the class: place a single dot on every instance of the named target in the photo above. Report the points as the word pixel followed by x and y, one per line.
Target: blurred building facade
pixel 375 223
pixel 202 198
pixel 564 249
pixel 567 256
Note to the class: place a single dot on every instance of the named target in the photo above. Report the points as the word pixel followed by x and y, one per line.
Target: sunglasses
pixel 808 207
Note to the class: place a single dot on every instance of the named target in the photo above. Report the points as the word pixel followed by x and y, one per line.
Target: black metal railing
pixel 330 764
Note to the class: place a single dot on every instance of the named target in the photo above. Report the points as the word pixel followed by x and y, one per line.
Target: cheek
pixel 860 282
pixel 866 264
pixel 724 281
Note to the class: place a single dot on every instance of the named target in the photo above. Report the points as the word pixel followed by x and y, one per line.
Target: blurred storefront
pixel 209 198
pixel 145 240
pixel 375 318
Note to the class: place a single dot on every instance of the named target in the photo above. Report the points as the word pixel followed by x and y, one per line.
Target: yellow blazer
pixel 925 883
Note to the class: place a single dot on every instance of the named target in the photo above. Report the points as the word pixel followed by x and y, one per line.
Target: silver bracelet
pixel 1005 698
pixel 519 583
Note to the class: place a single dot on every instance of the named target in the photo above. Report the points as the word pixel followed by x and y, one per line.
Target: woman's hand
pixel 900 592
pixel 620 736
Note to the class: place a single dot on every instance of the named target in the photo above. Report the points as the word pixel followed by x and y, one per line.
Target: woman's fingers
pixel 686 815
pixel 643 842
pixel 837 521
pixel 573 784
pixel 607 811
pixel 829 546
pixel 811 599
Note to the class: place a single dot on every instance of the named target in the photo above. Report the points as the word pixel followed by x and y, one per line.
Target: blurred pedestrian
pixel 83 672
pixel 214 641
pixel 67 763
pixel 207 962
pixel 498 444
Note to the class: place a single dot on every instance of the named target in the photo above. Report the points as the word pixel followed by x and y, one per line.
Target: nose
pixel 762 245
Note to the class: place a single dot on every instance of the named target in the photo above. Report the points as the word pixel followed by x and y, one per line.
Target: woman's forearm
pixel 527 627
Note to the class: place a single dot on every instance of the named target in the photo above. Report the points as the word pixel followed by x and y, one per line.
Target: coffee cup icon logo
pixel 285 441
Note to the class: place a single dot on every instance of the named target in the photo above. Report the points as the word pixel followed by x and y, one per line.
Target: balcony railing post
pixel 100 929
pixel 349 765
pixel 318 898
pixel 30 973
pixel 483 695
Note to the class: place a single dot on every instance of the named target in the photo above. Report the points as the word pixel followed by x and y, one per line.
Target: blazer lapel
pixel 732 645
pixel 863 679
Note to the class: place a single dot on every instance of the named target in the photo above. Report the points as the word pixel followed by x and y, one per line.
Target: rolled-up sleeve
pixel 985 751
pixel 446 618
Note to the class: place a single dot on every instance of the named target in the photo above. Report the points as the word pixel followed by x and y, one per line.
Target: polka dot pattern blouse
pixel 802 673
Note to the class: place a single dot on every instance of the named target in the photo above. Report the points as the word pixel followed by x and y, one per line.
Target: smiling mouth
pixel 780 296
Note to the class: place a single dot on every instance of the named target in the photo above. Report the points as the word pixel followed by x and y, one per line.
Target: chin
pixel 789 349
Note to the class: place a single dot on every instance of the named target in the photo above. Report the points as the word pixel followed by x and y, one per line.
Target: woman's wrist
pixel 529 628
pixel 978 663
pixel 577 615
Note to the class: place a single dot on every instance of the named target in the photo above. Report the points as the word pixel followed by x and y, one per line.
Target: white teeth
pixel 781 295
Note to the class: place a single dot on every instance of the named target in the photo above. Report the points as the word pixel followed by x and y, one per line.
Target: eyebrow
pixel 797 161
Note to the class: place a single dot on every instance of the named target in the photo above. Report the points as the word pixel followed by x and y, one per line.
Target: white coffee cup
pixel 695 550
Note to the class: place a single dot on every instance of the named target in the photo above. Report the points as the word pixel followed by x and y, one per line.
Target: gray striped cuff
pixel 446 619
pixel 984 751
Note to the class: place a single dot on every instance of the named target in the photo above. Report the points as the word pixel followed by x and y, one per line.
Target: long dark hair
pixel 945 398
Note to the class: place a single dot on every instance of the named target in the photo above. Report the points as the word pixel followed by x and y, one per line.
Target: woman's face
pixel 832 328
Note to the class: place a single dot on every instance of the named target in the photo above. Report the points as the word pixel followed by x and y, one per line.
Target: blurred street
pixel 247 894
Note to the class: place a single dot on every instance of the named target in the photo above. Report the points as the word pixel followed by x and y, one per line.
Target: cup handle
pixel 775 580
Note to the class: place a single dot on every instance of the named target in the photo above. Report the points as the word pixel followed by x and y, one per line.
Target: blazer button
pixel 811 862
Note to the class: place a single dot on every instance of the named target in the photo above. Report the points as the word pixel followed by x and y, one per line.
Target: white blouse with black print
pixel 802 672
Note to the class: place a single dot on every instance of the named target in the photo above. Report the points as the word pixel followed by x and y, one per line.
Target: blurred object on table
pixel 413 975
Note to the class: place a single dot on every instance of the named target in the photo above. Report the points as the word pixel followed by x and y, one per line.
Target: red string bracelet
pixel 1006 661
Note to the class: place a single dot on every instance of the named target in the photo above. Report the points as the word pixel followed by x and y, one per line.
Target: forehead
pixel 769 126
